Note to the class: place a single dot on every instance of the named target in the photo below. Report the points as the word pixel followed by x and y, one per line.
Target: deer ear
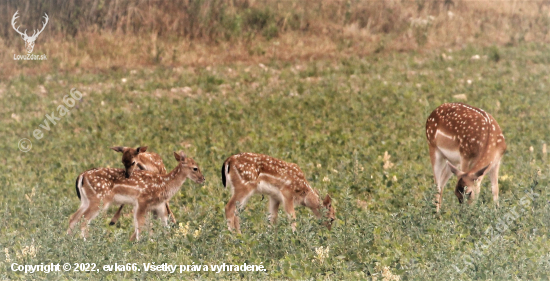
pixel 327 201
pixel 455 170
pixel 177 156
pixel 118 149
pixel 141 149
pixel 482 171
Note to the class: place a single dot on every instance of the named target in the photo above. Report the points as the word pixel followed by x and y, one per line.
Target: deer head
pixel 29 40
pixel 331 214
pixel 467 181
pixel 129 158
pixel 193 170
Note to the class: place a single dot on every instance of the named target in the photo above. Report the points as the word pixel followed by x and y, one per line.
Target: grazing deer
pixel 250 173
pixel 467 137
pixel 140 159
pixel 146 191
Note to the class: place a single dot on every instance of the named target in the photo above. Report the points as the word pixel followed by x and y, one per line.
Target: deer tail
pixel 78 185
pixel 225 171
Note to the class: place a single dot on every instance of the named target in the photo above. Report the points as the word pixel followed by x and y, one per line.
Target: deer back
pixel 151 161
pixel 470 130
pixel 253 167
pixel 100 181
pixel 153 187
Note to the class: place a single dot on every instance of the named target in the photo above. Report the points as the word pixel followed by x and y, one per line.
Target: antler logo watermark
pixel 29 40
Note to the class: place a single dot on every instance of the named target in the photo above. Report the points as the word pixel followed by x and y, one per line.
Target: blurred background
pixel 103 34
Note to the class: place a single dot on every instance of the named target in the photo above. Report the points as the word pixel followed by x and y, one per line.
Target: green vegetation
pixel 335 119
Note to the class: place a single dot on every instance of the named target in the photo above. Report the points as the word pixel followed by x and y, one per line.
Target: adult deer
pixel 146 191
pixel 249 173
pixel 467 137
pixel 142 160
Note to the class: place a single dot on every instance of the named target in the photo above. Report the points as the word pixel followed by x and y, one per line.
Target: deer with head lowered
pixel 249 173
pixel 29 40
pixel 146 191
pixel 467 142
pixel 140 159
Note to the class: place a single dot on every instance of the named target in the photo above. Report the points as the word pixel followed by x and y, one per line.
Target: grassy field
pixel 336 119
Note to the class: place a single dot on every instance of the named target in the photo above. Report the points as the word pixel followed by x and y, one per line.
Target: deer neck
pixel 313 201
pixel 174 181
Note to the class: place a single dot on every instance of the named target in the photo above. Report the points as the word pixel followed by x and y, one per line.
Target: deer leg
pixel 173 219
pixel 476 191
pixel 230 213
pixel 470 191
pixel 289 209
pixel 162 213
pixel 139 220
pixel 75 218
pixel 273 209
pixel 442 173
pixel 473 191
pixel 159 212
pixel 240 206
pixel 241 194
pixel 117 215
pixel 149 222
pixel 84 204
pixel 433 160
pixel 493 175
pixel 89 215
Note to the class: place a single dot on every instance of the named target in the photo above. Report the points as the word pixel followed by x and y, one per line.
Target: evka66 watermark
pixel 25 144
pixel 29 40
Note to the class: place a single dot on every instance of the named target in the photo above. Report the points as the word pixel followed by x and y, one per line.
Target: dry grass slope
pixel 103 35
